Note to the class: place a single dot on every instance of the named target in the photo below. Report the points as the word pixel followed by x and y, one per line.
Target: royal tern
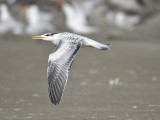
pixel 61 59
pixel 37 24
pixel 8 23
pixel 122 19
pixel 76 17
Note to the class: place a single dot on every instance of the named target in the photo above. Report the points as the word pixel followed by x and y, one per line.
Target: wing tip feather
pixel 54 97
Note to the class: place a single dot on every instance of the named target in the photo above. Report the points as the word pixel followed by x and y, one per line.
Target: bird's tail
pixel 98 45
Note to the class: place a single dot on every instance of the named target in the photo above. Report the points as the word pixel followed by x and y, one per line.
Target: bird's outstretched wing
pixel 59 63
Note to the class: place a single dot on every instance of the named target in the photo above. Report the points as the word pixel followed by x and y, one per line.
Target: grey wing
pixel 59 63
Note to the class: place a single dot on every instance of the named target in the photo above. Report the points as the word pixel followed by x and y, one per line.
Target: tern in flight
pixel 61 59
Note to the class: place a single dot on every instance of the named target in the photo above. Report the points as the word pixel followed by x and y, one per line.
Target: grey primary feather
pixel 59 63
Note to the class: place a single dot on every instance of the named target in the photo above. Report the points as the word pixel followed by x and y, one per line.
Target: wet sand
pixel 120 84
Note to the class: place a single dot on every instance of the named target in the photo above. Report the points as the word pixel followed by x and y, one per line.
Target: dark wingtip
pixel 53 99
pixel 54 96
pixel 54 102
pixel 107 47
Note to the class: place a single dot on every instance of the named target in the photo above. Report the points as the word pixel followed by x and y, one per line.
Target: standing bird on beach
pixel 61 59
pixel 38 21
pixel 8 23
pixel 77 13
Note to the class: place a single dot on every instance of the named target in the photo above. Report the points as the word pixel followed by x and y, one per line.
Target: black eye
pixel 47 34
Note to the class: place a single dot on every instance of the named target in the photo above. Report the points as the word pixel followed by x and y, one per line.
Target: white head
pixel 47 36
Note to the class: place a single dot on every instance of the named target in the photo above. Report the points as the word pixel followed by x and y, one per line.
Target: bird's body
pixel 61 59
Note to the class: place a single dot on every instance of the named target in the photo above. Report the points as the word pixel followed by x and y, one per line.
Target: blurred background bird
pixel 8 24
pixel 38 21
pixel 77 13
